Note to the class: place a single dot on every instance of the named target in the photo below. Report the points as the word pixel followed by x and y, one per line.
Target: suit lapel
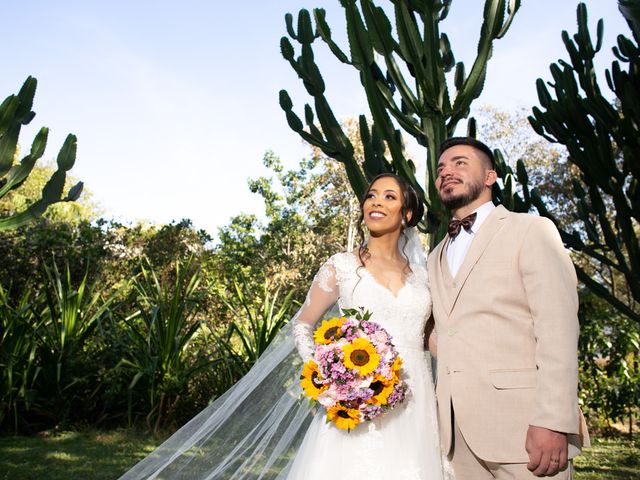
pixel 483 237
pixel 440 279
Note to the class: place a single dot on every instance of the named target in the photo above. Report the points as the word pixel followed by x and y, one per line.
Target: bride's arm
pixel 322 295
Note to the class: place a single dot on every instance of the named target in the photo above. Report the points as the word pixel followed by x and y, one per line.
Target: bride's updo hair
pixel 411 202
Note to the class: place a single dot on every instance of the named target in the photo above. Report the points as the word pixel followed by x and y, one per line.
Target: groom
pixel 505 309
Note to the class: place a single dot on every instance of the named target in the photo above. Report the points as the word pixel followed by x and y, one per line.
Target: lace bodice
pixel 340 280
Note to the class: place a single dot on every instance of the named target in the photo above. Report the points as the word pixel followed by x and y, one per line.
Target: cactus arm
pixel 325 33
pixel 34 211
pixel 513 7
pixel 8 145
pixel 411 48
pixel 8 110
pixel 383 42
pixel 24 114
pixel 359 44
pixel 493 27
pixel 19 173
pixel 374 148
pixel 52 193
pixel 630 10
pixel 602 292
pixel 15 111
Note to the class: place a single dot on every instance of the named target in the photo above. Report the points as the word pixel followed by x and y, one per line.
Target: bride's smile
pixel 376 214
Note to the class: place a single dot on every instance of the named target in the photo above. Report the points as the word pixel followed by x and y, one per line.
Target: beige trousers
pixel 468 466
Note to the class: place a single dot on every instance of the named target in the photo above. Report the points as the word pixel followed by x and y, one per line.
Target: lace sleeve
pixel 322 295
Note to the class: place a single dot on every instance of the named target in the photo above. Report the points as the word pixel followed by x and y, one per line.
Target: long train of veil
pixel 254 430
pixel 251 431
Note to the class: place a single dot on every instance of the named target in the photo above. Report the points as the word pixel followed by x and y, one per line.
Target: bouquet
pixel 355 370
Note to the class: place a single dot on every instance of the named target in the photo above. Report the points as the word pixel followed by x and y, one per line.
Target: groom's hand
pixel 547 449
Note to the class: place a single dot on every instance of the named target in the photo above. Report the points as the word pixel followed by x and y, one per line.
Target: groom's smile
pixel 449 183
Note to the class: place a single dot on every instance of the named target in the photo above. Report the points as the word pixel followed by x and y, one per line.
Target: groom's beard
pixel 472 194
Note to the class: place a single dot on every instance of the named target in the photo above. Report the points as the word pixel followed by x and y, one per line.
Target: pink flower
pixel 381 336
pixel 329 397
pixel 386 372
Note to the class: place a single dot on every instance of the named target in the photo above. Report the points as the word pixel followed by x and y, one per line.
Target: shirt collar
pixel 482 212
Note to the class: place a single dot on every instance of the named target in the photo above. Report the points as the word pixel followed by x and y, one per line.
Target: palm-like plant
pixel 70 314
pixel 159 334
pixel 18 349
pixel 73 312
pixel 42 343
pixel 258 315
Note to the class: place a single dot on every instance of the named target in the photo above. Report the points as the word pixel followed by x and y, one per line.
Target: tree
pixel 601 138
pixel 547 167
pixel 426 111
pixel 310 214
pixel 609 362
pixel 15 111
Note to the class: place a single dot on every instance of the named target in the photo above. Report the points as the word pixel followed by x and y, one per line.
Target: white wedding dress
pixel 404 443
pixel 263 429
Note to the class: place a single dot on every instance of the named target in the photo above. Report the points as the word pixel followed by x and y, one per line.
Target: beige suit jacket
pixel 507 333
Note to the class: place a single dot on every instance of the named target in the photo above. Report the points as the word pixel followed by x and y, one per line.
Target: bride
pixel 264 428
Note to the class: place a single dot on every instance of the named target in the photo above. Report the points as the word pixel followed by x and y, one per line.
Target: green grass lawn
pixel 107 455
pixel 90 455
pixel 610 459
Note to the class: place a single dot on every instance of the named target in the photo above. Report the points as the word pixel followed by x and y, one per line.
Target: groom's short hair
pixel 471 142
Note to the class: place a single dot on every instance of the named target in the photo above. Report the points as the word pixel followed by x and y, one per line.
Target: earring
pixel 404 223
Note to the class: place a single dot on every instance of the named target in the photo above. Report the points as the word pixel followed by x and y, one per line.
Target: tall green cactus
pixel 603 141
pixel 15 112
pixel 420 103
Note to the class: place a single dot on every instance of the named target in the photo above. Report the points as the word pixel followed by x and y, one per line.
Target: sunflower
pixel 344 418
pixel 311 380
pixel 361 355
pixel 395 368
pixel 328 331
pixel 382 388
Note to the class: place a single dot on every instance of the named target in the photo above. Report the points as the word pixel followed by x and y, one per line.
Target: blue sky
pixel 175 103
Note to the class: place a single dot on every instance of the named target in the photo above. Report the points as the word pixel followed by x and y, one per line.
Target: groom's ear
pixel 490 178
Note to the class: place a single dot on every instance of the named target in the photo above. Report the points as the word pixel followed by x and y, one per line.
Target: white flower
pixel 328 398
pixel 366 381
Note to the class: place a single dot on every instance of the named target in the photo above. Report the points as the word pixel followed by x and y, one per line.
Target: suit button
pixel 454 285
pixel 451 332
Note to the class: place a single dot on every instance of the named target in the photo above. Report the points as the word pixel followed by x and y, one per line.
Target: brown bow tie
pixel 466 223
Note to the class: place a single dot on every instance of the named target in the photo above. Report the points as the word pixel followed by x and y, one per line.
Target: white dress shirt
pixel 459 246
